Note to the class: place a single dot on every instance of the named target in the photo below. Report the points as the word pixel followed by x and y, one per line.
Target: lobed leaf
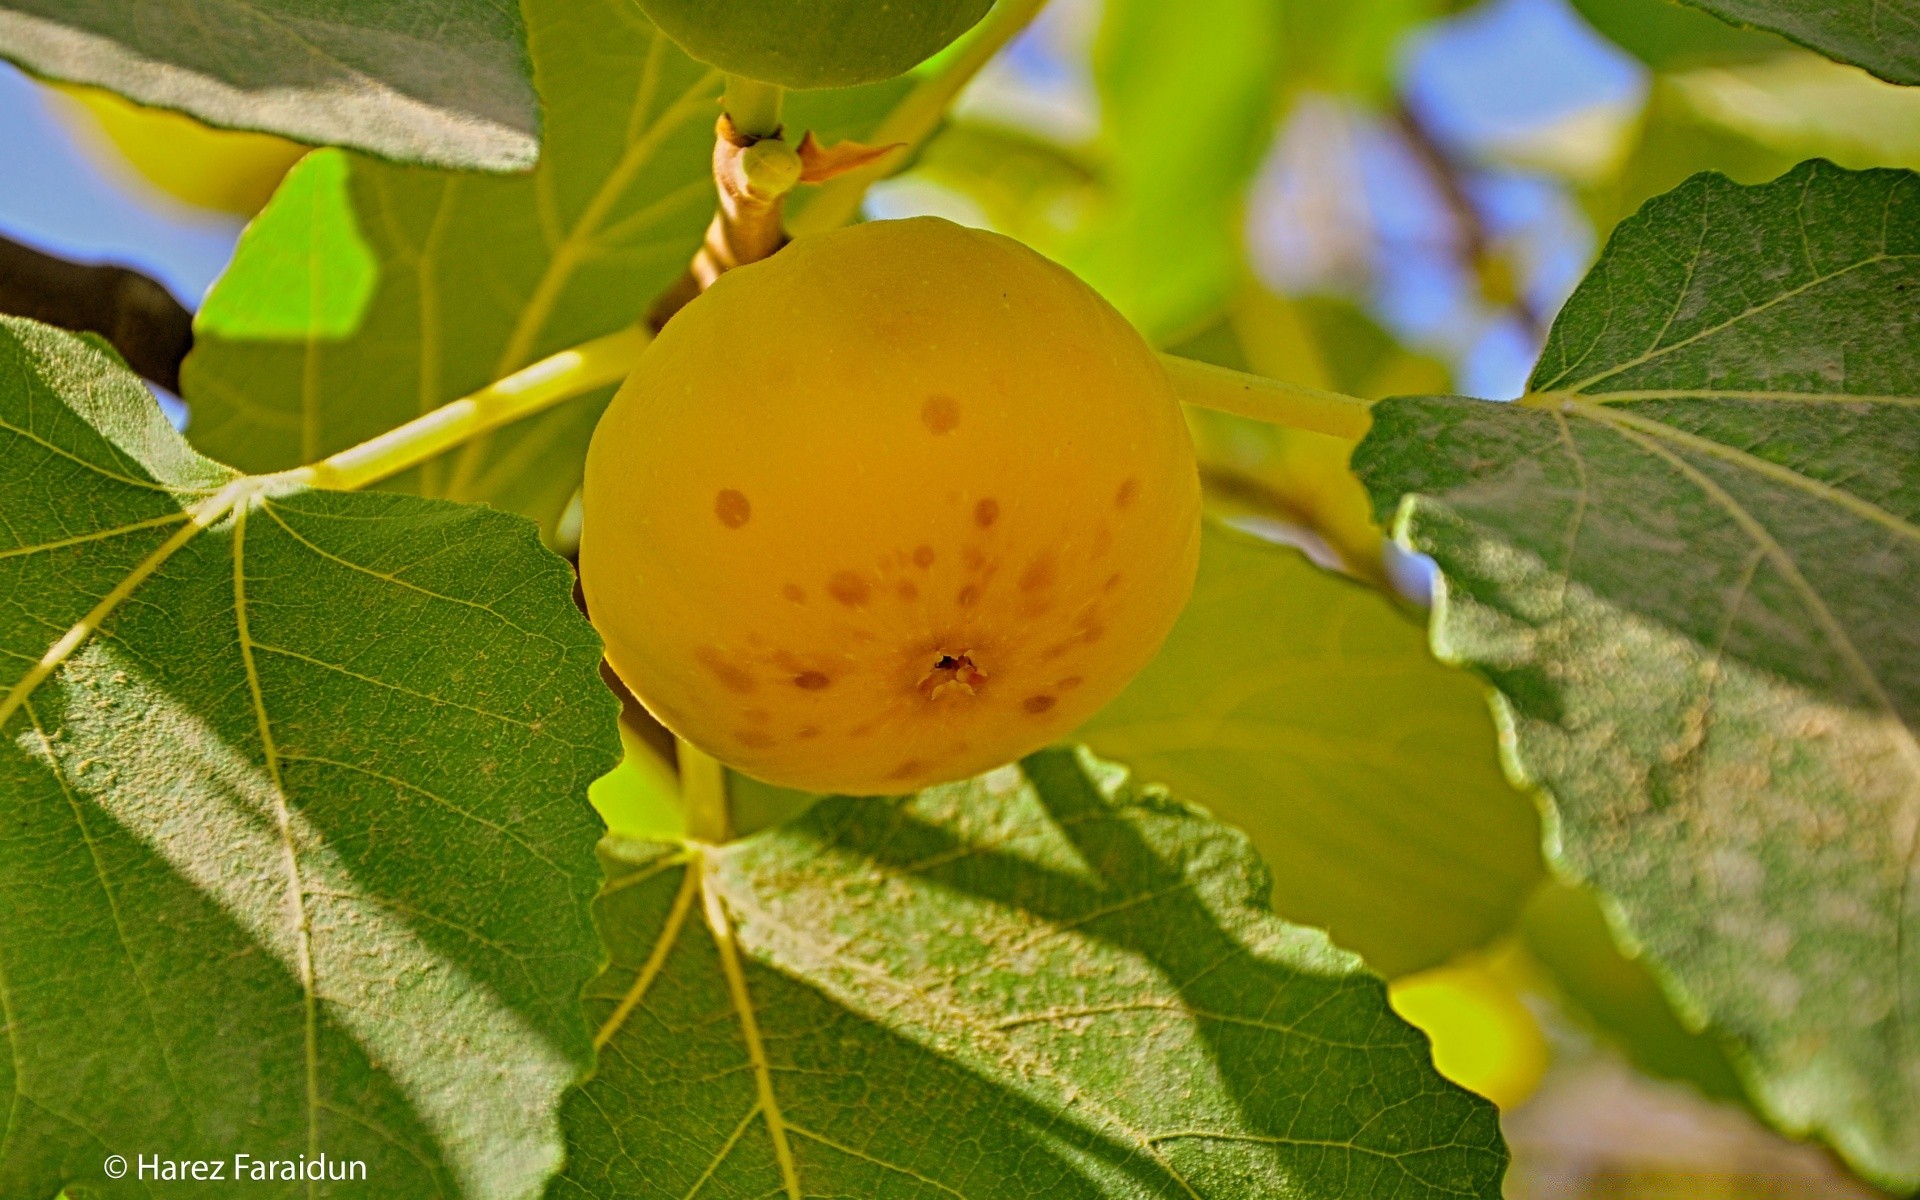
pixel 442 82
pixel 1040 982
pixel 1689 562
pixel 1302 708
pixel 295 853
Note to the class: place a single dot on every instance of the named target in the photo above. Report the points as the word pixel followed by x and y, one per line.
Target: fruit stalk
pixel 1207 386
pixel 703 789
pixel 556 378
pixel 752 174
pixel 607 360
pixel 753 107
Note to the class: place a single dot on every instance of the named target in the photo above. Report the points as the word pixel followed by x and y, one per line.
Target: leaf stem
pixel 753 107
pixel 1207 386
pixel 703 789
pixel 917 115
pixel 535 388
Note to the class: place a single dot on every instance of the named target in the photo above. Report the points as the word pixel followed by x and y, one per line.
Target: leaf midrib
pixel 301 919
pixel 700 871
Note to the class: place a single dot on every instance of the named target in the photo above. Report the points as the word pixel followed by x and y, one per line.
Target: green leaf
pixel 1669 36
pixel 368 293
pixel 1689 562
pixel 441 82
pixel 1881 35
pixel 1040 982
pixel 1754 121
pixel 294 844
pixel 1810 107
pixel 1026 186
pixel 1566 932
pixel 1296 475
pixel 1187 98
pixel 1301 707
pixel 819 44
pixel 1188 95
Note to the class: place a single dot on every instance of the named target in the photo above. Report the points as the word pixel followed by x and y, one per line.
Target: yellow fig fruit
pixel 897 505
pixel 1484 1037
pixel 224 170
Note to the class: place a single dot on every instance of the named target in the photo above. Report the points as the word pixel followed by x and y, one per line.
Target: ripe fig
pixel 899 504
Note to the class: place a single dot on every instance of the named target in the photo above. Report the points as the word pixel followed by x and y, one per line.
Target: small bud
pixel 770 167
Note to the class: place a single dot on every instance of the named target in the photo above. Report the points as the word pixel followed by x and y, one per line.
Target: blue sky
pixel 54 197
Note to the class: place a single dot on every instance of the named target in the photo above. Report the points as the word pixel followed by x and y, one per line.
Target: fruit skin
pixel 886 446
pixel 224 170
pixel 1484 1037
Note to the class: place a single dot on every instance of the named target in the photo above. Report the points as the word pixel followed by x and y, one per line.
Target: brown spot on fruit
pixel 1037 704
pixel 1129 490
pixel 986 512
pixel 1113 581
pixel 1069 683
pixel 912 766
pixel 734 678
pixel 906 590
pixel 967 595
pixel 940 413
pixel 753 739
pixel 1039 574
pixel 849 589
pixel 811 681
pixel 732 508
pixel 854 403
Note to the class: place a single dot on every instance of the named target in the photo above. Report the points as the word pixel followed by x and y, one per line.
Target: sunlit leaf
pixel 368 293
pixel 295 854
pixel 1304 709
pixel 1042 982
pixel 1689 561
pixel 428 81
pixel 1188 97
pixel 1752 122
